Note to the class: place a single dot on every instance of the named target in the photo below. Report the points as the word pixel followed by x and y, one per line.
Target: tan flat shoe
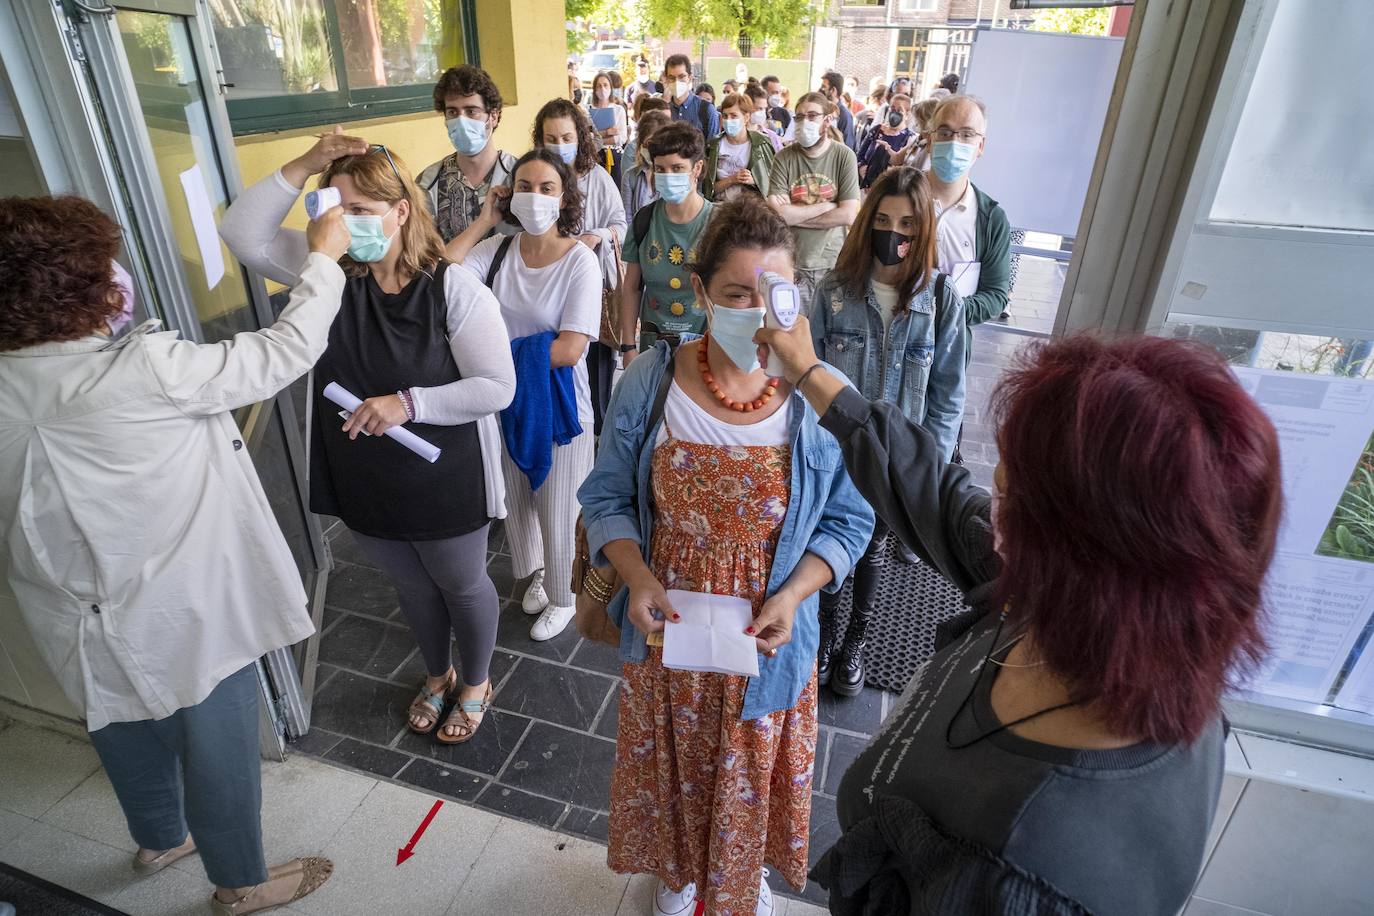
pixel 146 867
pixel 314 871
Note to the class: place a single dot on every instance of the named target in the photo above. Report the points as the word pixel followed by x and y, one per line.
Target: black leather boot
pixel 848 678
pixel 830 643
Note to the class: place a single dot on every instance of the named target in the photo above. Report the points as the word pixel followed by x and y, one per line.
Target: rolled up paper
pixel 349 402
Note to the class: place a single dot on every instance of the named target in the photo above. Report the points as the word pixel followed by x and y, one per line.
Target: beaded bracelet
pixel 408 403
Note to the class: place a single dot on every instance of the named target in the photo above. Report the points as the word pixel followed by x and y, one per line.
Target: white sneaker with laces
pixel 535 599
pixel 765 905
pixel 674 903
pixel 553 621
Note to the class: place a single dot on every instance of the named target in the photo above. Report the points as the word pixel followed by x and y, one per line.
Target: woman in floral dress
pixel 735 491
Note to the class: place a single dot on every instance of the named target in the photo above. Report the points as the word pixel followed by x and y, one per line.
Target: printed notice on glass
pixel 1357 692
pixel 203 225
pixel 1320 590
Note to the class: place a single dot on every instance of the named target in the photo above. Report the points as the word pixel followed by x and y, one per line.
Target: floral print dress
pixel 699 795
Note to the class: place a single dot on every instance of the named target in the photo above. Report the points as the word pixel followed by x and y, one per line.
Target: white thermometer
pixel 781 306
pixel 316 202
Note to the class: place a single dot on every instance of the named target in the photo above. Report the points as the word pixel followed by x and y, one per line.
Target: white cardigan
pixel 252 228
pixel 142 549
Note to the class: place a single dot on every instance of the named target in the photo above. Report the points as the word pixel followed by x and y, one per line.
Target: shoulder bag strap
pixel 498 259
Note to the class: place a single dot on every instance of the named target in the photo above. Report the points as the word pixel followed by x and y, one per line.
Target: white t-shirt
pixel 732 157
pixel 691 423
pixel 564 296
pixel 887 302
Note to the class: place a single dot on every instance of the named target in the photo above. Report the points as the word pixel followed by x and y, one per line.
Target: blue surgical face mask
pixel 369 241
pixel 468 137
pixel 734 330
pixel 951 160
pixel 565 151
pixel 732 126
pixel 673 186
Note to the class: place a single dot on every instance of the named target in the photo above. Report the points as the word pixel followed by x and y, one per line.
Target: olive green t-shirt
pixel 831 176
pixel 663 254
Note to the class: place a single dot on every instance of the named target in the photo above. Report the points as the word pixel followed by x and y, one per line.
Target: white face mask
pixel 536 212
pixel 756 118
pixel 680 88
pixel 775 100
pixel 808 133
pixel 734 330
pixel 602 94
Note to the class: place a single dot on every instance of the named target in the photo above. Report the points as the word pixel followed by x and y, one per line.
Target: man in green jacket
pixel 973 239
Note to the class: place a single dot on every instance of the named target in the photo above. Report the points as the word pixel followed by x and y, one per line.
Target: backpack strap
pixel 661 396
pixel 643 217
pixel 704 116
pixel 498 259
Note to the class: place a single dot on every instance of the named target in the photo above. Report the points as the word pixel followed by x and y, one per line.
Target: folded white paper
pixel 710 636
pixel 349 401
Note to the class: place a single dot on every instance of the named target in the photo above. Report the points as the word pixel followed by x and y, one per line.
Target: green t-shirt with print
pixel 831 176
pixel 667 301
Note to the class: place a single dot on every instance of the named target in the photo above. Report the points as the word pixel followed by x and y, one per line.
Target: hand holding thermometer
pixel 316 202
pixel 781 306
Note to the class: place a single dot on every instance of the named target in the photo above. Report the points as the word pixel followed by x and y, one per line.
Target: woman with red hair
pixel 1062 752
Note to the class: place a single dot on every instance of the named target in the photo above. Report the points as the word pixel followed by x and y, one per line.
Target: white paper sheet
pixel 1319 601
pixel 965 276
pixel 1357 692
pixel 350 402
pixel 710 636
pixel 203 224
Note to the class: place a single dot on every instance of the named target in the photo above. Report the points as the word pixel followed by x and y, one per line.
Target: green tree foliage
pixel 1075 22
pixel 781 24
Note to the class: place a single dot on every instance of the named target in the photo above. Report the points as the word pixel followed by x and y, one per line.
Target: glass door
pixel 150 63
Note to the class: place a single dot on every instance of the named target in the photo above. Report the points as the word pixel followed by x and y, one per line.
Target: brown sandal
pixel 430 704
pixel 314 871
pixel 461 717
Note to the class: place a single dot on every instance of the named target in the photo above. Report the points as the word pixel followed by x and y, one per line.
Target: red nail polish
pixel 749 630
pixel 677 616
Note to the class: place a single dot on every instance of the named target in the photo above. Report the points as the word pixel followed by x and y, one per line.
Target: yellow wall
pixel 522 45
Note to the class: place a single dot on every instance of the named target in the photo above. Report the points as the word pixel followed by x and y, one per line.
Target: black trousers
pixel 600 374
pixel 867 573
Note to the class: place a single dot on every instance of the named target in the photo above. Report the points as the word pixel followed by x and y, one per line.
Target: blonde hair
pixel 421 247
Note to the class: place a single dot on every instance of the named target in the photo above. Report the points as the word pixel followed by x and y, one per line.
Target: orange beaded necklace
pixel 725 400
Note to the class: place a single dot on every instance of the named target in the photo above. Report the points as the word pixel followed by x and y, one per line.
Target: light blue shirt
pixel 825 516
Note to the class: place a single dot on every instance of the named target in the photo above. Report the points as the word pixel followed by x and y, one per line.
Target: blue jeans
pixel 196 770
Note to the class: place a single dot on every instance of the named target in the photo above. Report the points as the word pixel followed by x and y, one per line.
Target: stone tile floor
pixel 545 752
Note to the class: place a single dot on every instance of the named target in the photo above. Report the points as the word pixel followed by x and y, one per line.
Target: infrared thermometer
pixel 781 306
pixel 316 202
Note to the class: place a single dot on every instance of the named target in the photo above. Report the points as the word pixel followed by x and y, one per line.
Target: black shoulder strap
pixel 661 397
pixel 939 290
pixel 704 116
pixel 498 259
pixel 643 217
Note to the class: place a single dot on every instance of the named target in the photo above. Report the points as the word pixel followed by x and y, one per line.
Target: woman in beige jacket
pixel 141 547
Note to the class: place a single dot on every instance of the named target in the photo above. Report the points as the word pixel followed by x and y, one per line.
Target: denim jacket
pixel 919 366
pixel 825 516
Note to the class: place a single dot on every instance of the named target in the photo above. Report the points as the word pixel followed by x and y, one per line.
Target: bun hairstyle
pixel 747 222
pixel 569 211
pixel 421 247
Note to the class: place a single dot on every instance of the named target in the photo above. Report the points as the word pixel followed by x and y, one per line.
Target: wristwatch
pixel 628 348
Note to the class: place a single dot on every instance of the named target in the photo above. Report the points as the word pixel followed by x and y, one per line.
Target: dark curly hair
pixel 678 139
pixel 55 277
pixel 586 146
pixel 746 222
pixel 468 80
pixel 570 212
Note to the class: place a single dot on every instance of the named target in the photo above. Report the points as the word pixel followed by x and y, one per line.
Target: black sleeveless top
pixel 378 344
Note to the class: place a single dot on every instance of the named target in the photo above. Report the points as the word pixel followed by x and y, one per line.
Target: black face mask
pixel 889 247
pixel 895 119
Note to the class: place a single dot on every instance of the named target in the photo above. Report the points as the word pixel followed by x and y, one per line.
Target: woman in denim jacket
pixel 885 319
pixel 735 491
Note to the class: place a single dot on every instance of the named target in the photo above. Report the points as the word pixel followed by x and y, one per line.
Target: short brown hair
pixel 676 60
pixel 747 222
pixel 678 138
pixel 468 80
pixel 647 103
pixel 737 100
pixel 55 255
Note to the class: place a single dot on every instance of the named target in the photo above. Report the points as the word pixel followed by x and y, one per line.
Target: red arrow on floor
pixel 409 849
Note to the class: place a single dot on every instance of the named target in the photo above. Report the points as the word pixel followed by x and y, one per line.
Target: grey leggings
pixel 443 586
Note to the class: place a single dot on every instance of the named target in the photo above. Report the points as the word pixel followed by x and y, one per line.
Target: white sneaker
pixel 553 621
pixel 765 907
pixel 535 599
pixel 674 903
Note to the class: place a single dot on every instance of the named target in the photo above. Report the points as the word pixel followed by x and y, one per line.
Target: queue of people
pixel 1034 765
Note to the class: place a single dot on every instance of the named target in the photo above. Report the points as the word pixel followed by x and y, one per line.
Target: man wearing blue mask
pixel 457 185
pixel 973 239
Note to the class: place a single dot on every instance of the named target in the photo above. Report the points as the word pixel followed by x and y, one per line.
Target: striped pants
pixel 541 526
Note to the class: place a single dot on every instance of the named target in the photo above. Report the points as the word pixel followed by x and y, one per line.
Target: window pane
pixel 906 37
pixel 274 47
pixel 394 42
pixel 903 62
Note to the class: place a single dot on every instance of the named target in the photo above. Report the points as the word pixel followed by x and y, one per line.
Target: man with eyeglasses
pixel 457 185
pixel 973 237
